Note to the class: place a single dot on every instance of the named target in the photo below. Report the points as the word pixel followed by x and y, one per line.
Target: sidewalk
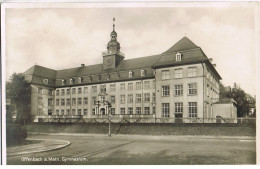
pixel 37 145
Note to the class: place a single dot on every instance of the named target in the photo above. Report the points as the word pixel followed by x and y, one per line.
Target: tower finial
pixel 114 23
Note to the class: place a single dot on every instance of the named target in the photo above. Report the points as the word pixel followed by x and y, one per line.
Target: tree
pixel 19 91
pixel 241 98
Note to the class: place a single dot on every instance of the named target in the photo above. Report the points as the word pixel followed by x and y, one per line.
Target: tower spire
pixel 114 23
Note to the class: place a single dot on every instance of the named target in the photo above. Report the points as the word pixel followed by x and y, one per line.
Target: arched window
pixel 79 80
pixel 178 57
pixel 45 81
pixel 143 72
pixel 130 74
pixel 71 81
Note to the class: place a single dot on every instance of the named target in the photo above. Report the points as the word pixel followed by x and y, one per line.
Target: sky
pixel 61 38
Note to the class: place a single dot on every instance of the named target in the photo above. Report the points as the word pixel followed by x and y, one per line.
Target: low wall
pixel 225 129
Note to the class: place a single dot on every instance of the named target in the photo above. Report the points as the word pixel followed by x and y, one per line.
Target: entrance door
pixel 102 111
pixel 178 118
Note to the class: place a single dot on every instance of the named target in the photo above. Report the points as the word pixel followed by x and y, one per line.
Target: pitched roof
pixel 40 71
pixel 183 44
pixel 125 65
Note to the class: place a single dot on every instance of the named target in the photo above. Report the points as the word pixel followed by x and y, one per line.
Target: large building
pixel 178 85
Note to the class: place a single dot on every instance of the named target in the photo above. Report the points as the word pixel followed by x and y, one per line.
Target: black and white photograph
pixel 121 83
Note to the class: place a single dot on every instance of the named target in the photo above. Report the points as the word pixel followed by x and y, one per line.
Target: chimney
pixel 214 65
pixel 82 65
pixel 210 59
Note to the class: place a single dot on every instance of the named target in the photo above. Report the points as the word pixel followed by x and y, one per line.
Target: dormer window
pixel 99 77
pixel 108 76
pixel 130 74
pixel 71 81
pixel 90 78
pixel 178 57
pixel 45 81
pixel 63 82
pixel 79 80
pixel 118 75
pixel 143 72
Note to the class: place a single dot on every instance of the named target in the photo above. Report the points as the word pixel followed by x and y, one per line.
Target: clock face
pixel 109 61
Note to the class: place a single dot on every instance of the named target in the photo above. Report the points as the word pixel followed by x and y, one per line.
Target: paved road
pixel 129 149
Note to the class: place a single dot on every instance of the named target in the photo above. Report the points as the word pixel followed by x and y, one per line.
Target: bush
pixel 15 134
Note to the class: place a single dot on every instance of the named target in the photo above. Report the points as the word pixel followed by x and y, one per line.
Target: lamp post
pixel 109 118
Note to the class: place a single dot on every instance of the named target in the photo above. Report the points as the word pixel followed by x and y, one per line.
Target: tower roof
pixel 183 44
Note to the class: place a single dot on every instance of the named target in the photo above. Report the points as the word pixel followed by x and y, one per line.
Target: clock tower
pixel 112 57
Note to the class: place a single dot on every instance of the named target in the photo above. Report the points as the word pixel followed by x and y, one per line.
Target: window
pixel 165 90
pixel 178 90
pixel 62 112
pixel 178 57
pixel 112 87
pixel 192 109
pixel 79 101
pixel 138 110
pixel 153 110
pixel 71 81
pixel 79 90
pixel 68 102
pixel 79 80
pixel 192 88
pixel 178 107
pixel 165 109
pixel 130 86
pixel 138 98
pixel 50 92
pixel 57 102
pixel 45 81
pixel 73 112
pixel 94 89
pixel 153 84
pixel 94 100
pixel 178 73
pixel 130 110
pixel 142 72
pixel 62 102
pixel 122 86
pixel 62 92
pixel 73 101
pixel 40 101
pixel 57 112
pixel 57 92
pixel 85 90
pixel 40 90
pixel 192 71
pixel 146 110
pixel 68 112
pixel 130 74
pixel 68 92
pixel 62 82
pixel 130 98
pixel 85 112
pixel 102 99
pixel 147 97
pixel 103 88
pixel 207 90
pixel 122 99
pixel 154 98
pixel 122 110
pixel 113 111
pixel 147 85
pixel 165 74
pixel 138 86
pixel 113 99
pixel 85 100
pixel 50 102
pixel 73 90
pixel 93 111
pixel 79 111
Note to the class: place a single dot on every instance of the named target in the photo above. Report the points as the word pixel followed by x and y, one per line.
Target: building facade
pixel 178 85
